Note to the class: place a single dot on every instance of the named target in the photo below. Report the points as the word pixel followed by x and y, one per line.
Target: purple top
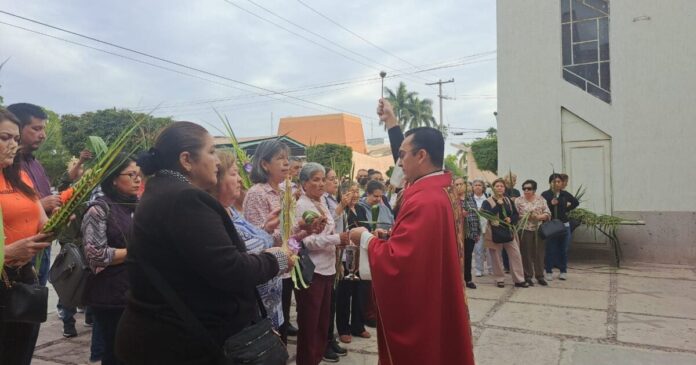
pixel 37 174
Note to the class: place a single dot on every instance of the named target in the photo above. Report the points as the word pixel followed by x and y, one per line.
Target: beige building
pixel 604 90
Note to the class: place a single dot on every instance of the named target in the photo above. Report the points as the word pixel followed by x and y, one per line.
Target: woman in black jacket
pixel 105 229
pixel 186 236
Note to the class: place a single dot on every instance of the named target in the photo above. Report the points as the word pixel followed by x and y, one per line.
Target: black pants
pixel 332 315
pixel 287 299
pixel 506 261
pixel 349 307
pixel 107 320
pixel 468 254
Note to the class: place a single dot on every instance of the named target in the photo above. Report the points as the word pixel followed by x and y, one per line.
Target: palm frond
pixel 242 159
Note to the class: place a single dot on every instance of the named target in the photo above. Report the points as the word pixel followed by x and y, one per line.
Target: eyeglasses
pixel 527 188
pixel 133 175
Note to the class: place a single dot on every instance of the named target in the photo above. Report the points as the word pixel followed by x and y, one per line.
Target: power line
pixel 161 59
pixel 364 80
pixel 355 34
pixel 335 44
pixel 269 95
pixel 299 35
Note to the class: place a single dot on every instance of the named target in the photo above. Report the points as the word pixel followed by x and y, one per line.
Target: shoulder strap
pixel 180 307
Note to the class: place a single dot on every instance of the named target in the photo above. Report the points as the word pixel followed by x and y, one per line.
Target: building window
pixel 585 44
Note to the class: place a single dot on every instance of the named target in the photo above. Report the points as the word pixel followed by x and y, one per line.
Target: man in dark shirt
pixel 33 134
pixel 560 203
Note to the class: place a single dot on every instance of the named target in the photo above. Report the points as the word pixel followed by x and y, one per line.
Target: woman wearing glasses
pixel 105 230
pixel 531 245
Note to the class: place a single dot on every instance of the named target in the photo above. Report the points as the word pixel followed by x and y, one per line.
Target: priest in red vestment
pixel 422 311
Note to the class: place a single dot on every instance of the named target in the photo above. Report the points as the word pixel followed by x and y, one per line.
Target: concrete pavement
pixel 639 314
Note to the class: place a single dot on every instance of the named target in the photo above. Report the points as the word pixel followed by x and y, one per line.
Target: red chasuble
pixel 417 282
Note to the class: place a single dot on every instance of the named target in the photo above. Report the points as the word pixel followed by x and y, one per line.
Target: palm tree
pixel 410 110
pixel 421 113
pixel 400 100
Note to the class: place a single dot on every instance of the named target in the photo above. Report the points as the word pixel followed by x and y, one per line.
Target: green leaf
pixel 97 145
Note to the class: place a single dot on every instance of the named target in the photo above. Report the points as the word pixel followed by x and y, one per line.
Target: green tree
pixel 107 124
pixel 410 110
pixel 452 165
pixel 421 112
pixel 338 157
pixel 491 133
pixel 485 152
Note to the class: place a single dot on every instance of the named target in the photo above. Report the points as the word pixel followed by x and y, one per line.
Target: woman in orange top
pixel 22 219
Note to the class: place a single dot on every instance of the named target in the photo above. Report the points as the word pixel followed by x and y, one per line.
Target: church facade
pixel 603 90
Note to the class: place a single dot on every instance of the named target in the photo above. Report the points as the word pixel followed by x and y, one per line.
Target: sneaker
pixel 330 355
pixel 337 349
pixel 69 330
pixel 478 274
pixel 563 276
pixel 542 282
pixel 548 276
pixel 522 285
pixel 292 330
pixel 471 285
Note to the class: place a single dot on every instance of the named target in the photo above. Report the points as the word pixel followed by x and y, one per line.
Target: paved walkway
pixel 639 314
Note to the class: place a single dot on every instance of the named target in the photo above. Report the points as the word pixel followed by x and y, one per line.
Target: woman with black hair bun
pixel 185 251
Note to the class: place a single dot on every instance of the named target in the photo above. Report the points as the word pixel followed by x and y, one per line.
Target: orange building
pixel 340 129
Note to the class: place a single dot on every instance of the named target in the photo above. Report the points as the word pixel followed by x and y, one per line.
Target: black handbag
pixel 69 275
pixel 256 344
pixel 306 264
pixel 23 302
pixel 552 229
pixel 501 234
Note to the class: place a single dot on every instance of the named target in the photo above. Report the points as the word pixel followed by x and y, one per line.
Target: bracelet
pixel 282 259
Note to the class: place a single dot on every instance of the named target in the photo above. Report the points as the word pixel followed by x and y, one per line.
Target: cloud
pixel 217 37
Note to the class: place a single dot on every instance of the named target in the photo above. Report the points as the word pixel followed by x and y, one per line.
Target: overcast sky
pixel 218 37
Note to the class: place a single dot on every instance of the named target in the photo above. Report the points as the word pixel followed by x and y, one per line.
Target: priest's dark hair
pixel 25 111
pixel 430 140
pixel 174 139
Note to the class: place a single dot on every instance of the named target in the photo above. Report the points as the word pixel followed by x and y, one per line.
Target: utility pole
pixel 440 96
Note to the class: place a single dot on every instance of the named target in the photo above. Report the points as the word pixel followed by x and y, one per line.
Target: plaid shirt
pixel 473 228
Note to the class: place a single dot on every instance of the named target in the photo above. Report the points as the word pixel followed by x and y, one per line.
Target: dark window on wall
pixel 585 46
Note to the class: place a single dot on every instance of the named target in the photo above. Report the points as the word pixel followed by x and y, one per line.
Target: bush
pixel 486 154
pixel 338 157
pixel 452 166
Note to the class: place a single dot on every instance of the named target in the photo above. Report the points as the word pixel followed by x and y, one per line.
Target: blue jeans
pixel 45 265
pixel 557 252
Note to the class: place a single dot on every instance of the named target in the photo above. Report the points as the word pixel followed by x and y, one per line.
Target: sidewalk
pixel 639 314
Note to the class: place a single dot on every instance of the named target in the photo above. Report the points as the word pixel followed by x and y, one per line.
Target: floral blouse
pixel 257 240
pixel 537 206
pixel 259 202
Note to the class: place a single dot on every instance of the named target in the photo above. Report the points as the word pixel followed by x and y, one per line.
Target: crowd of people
pixel 182 266
pixel 527 256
